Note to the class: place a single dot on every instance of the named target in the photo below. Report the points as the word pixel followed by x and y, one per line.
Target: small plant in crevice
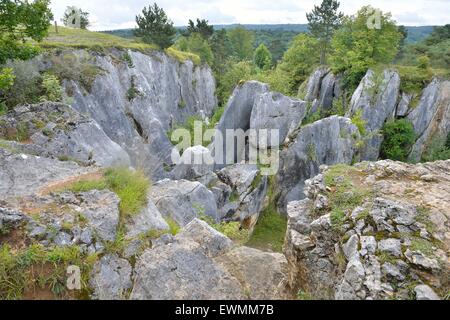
pixel 126 57
pixel 133 92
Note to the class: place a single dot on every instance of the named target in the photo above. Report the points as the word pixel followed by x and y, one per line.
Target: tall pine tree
pixel 155 27
pixel 323 21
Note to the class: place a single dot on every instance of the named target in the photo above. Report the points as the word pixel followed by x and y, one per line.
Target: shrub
pixel 399 137
pixel 52 88
pixel 6 78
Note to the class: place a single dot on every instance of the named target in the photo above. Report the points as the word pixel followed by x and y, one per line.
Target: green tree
pixel 323 22
pixel 242 43
pixel 155 27
pixel 357 45
pixel 202 27
pixel 221 47
pixel 236 74
pixel 195 43
pixel 74 17
pixel 262 57
pixel 19 22
pixel 299 61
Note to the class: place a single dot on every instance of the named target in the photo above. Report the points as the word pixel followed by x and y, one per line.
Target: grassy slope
pixel 85 39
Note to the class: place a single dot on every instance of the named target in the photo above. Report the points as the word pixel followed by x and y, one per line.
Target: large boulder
pixel 185 269
pixel 375 100
pixel 328 141
pixel 147 220
pixel 183 200
pixel 200 264
pixel 262 274
pixel 237 116
pixel 273 111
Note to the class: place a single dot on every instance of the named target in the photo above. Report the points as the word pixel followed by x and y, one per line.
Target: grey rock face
pixel 249 190
pixel 179 271
pixel 275 111
pixel 196 164
pixel 376 99
pixel 102 212
pixel 139 124
pixel 200 263
pixel 328 141
pixel 261 274
pixel 22 175
pixel 183 200
pixel 321 89
pixel 111 278
pixel 212 242
pixel 431 118
pixel 149 219
pixel 56 130
pixel 236 116
pixel 239 177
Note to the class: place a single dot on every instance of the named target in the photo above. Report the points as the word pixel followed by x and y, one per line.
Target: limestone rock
pixel 273 111
pixel 183 200
pixel 325 142
pixel 111 278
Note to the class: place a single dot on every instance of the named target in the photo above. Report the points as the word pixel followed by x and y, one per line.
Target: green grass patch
pixel 85 39
pixel 270 230
pixel 182 56
pixel 37 267
pixel 174 227
pixel 87 185
pixel 130 186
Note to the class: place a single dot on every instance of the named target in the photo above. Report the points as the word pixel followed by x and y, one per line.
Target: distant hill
pixel 415 34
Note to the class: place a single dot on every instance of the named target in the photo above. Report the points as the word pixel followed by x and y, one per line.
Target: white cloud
pixel 116 14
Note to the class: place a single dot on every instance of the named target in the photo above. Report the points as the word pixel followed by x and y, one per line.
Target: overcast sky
pixel 118 14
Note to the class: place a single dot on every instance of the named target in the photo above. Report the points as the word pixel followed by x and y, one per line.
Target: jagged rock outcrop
pixel 431 118
pixel 56 130
pixel 275 111
pixel 200 265
pixel 236 116
pixel 375 101
pixel 329 141
pixel 135 98
pixel 372 231
pixel 321 89
pixel 253 106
